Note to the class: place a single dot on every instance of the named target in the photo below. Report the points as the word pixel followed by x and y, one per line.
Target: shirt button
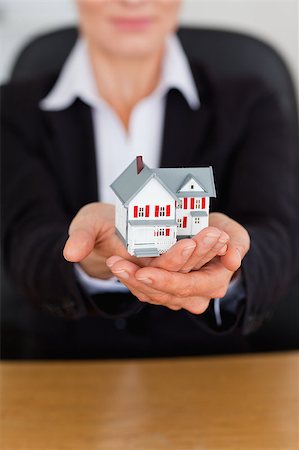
pixel 120 324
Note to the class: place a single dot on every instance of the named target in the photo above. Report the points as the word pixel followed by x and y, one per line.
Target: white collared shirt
pixel 116 147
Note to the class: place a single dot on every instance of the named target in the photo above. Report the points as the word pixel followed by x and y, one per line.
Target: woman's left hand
pixel 178 281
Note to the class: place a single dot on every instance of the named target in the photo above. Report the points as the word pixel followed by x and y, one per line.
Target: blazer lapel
pixel 186 130
pixel 70 141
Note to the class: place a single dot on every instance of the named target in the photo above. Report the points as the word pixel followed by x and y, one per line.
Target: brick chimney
pixel 139 164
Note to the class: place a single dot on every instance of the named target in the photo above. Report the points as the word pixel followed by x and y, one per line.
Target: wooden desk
pixel 218 403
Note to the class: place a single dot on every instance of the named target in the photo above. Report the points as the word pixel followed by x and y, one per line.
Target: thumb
pixel 88 226
pixel 79 244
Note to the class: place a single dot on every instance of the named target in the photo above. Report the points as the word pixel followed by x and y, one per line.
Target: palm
pixel 100 218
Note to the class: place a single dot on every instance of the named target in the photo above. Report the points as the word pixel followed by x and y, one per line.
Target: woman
pixel 127 89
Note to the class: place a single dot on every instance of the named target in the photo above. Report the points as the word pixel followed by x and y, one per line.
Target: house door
pixel 143 235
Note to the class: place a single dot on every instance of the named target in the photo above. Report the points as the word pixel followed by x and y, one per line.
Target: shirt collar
pixel 76 78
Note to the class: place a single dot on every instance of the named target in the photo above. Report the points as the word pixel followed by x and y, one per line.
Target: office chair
pixel 225 54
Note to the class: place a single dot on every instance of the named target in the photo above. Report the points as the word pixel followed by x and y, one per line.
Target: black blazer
pixel 49 172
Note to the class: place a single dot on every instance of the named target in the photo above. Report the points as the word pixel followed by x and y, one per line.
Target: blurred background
pixel 275 21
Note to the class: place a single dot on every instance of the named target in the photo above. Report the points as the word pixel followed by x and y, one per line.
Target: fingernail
pixel 112 260
pixel 121 274
pixel 222 250
pixel 109 263
pixel 186 270
pixel 224 238
pixel 145 280
pixel 188 250
pixel 210 238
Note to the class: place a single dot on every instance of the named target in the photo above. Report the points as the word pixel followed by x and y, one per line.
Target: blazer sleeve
pixel 263 196
pixel 35 227
pixel 255 155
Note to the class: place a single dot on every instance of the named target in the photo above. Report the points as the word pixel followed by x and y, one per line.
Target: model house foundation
pixel 156 207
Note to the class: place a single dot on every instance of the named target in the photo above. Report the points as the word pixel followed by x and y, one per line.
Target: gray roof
pixel 198 214
pixel 190 177
pixel 129 183
pixel 176 178
pixel 194 194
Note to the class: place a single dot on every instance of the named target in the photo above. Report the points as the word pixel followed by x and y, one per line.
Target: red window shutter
pixel 147 211
pixel 167 231
pixel 184 222
pixel 135 211
pixel 157 211
pixel 203 203
pixel 168 210
pixel 192 203
pixel 185 203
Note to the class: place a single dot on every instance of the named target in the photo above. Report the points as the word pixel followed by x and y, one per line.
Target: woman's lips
pixel 133 24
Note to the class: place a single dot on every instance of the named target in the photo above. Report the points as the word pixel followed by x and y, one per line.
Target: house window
pixel 179 221
pixel 141 212
pixel 192 186
pixel 180 204
pixel 197 220
pixel 162 211
pixel 161 232
pixel 197 203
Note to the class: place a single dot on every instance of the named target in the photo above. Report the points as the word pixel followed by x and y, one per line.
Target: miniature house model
pixel 155 207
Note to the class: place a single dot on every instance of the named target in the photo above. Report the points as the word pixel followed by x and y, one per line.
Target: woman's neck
pixel 123 81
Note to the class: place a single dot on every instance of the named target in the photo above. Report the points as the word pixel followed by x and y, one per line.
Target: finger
pixel 175 258
pixel 145 293
pixel 125 271
pixel 79 245
pixel 232 260
pixel 89 223
pixel 208 282
pixel 220 252
pixel 209 242
pixel 140 295
pixel 196 305
pixel 239 240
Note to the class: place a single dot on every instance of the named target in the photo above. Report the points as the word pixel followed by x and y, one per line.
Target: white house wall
pixel 191 228
pixel 153 194
pixel 148 237
pixel 120 217
pixel 187 187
